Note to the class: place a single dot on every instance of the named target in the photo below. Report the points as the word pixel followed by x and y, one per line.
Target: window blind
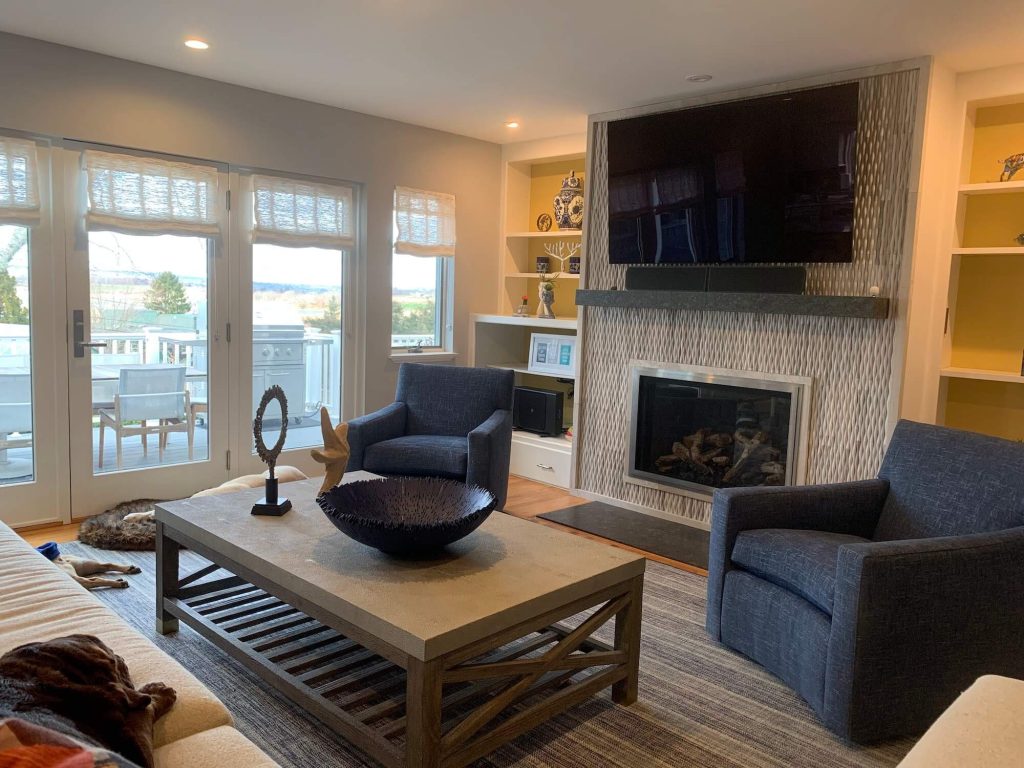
pixel 19 182
pixel 425 222
pixel 302 213
pixel 141 195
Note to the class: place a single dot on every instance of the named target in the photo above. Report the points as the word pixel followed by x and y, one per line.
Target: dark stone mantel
pixel 875 308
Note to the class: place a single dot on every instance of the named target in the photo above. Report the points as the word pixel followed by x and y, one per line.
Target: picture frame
pixel 552 353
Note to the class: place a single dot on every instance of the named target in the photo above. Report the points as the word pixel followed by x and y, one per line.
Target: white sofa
pixel 983 728
pixel 39 601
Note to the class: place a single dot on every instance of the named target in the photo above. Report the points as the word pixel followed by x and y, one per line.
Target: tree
pixel 166 295
pixel 330 320
pixel 412 317
pixel 11 309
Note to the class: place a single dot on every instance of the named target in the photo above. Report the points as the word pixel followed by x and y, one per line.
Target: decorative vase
pixel 574 265
pixel 546 295
pixel 569 203
pixel 543 264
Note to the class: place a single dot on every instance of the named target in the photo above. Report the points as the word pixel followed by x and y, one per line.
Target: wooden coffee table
pixel 416 662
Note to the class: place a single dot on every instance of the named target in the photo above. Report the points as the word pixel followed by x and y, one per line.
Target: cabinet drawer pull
pixel 546 467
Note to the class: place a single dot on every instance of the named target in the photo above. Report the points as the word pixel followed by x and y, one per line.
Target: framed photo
pixel 551 353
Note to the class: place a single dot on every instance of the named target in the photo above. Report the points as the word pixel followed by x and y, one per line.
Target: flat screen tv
pixel 762 180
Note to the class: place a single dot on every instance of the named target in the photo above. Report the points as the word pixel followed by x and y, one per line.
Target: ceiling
pixel 467 66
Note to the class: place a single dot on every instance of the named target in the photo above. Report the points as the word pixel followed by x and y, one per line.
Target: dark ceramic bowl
pixel 406 515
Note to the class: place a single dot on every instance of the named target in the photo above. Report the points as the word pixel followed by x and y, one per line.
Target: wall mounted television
pixel 762 180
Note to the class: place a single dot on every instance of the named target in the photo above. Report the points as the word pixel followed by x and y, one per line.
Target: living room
pixel 693 436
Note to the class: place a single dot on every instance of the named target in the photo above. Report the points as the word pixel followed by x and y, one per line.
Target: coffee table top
pixel 508 571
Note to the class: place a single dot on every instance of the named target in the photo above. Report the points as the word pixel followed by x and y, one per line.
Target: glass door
pixel 147 349
pixel 33 484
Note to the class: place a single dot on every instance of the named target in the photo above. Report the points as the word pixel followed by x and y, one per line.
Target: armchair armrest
pixel 916 621
pixel 851 508
pixel 385 424
pixel 490 448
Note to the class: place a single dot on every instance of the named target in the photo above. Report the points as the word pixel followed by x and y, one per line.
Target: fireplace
pixel 694 429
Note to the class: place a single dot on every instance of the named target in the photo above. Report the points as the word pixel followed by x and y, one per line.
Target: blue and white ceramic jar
pixel 569 203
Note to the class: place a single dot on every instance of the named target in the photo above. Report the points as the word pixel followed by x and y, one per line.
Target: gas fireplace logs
pixel 745 457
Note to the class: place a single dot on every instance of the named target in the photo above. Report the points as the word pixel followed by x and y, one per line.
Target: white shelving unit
pixel 980 374
pixel 531 176
pixel 992 188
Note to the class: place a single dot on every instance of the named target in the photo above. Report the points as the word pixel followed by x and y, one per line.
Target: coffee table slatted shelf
pixel 416 663
pixel 358 688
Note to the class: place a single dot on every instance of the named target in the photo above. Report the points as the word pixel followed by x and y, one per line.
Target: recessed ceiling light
pixel 512 124
pixel 197 44
pixel 698 78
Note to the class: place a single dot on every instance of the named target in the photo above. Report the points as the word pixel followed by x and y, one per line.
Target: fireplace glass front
pixel 699 432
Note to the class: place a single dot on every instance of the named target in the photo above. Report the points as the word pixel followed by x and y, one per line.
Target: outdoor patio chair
pixel 149 394
pixel 15 417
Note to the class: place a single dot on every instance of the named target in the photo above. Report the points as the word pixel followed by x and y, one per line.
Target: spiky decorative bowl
pixel 406 515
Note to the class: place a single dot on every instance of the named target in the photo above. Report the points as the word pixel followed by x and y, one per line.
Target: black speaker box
pixel 537 410
pixel 666 278
pixel 757 279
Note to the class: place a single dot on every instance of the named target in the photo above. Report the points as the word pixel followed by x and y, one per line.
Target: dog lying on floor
pixel 78 686
pixel 84 571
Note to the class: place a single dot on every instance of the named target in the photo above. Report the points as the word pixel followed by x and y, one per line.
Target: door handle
pixel 78 330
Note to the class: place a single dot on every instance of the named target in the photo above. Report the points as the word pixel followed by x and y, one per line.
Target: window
pixel 303 234
pixel 421 269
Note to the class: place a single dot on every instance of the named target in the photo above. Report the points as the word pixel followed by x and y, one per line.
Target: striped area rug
pixel 700 704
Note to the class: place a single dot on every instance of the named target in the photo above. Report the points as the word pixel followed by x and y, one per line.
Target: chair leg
pixel 145 441
pixel 102 430
pixel 120 454
pixel 162 439
pixel 191 435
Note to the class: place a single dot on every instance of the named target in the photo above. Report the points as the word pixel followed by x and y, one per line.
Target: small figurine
pixel 335 453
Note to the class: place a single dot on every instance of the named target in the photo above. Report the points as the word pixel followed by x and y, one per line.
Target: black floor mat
pixel 651 534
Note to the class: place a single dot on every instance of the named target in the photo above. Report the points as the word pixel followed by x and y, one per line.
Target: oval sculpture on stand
pixel 569 203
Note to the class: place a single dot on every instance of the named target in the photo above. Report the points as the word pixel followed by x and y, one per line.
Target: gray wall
pixel 69 93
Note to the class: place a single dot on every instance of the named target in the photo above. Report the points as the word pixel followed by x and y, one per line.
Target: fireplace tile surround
pixel 855 363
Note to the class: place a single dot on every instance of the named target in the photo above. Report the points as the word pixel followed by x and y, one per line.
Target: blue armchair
pixel 446 421
pixel 879 601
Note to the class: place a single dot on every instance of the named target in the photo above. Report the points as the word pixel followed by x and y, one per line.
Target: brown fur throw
pixel 110 531
pixel 78 686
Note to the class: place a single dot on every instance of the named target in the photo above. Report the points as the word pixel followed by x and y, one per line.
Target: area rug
pixel 700 705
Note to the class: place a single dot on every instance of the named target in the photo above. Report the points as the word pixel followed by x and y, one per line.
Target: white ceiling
pixel 469 65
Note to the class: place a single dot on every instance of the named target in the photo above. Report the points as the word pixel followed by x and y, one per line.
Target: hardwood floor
pixel 526 499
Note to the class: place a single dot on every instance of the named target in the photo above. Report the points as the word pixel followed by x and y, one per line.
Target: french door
pixel 33 391
pixel 119 376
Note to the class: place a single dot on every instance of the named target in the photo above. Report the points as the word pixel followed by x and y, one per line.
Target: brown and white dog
pixel 84 571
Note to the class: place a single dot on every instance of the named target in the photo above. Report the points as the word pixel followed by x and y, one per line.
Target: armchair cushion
pixel 385 424
pixel 947 482
pixel 804 562
pixel 430 455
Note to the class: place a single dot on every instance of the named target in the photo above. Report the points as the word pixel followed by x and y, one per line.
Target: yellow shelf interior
pixel 991 407
pixel 998 133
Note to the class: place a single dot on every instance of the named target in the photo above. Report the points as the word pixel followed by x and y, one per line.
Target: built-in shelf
pixel 524 368
pixel 992 188
pixel 529 275
pixel 561 443
pixel 565 323
pixel 980 374
pixel 758 303
pixel 1010 249
pixel 570 233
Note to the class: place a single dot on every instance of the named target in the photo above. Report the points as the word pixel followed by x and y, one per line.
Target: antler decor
pixel 559 252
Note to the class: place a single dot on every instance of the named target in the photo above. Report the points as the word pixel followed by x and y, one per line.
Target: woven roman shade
pixel 141 195
pixel 303 213
pixel 425 222
pixel 19 182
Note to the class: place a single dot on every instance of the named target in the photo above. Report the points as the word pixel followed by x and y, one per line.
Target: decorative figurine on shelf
pixel 544 222
pixel 546 296
pixel 569 203
pixel 561 252
pixel 521 310
pixel 335 453
pixel 1011 165
pixel 270 504
pixel 1020 239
